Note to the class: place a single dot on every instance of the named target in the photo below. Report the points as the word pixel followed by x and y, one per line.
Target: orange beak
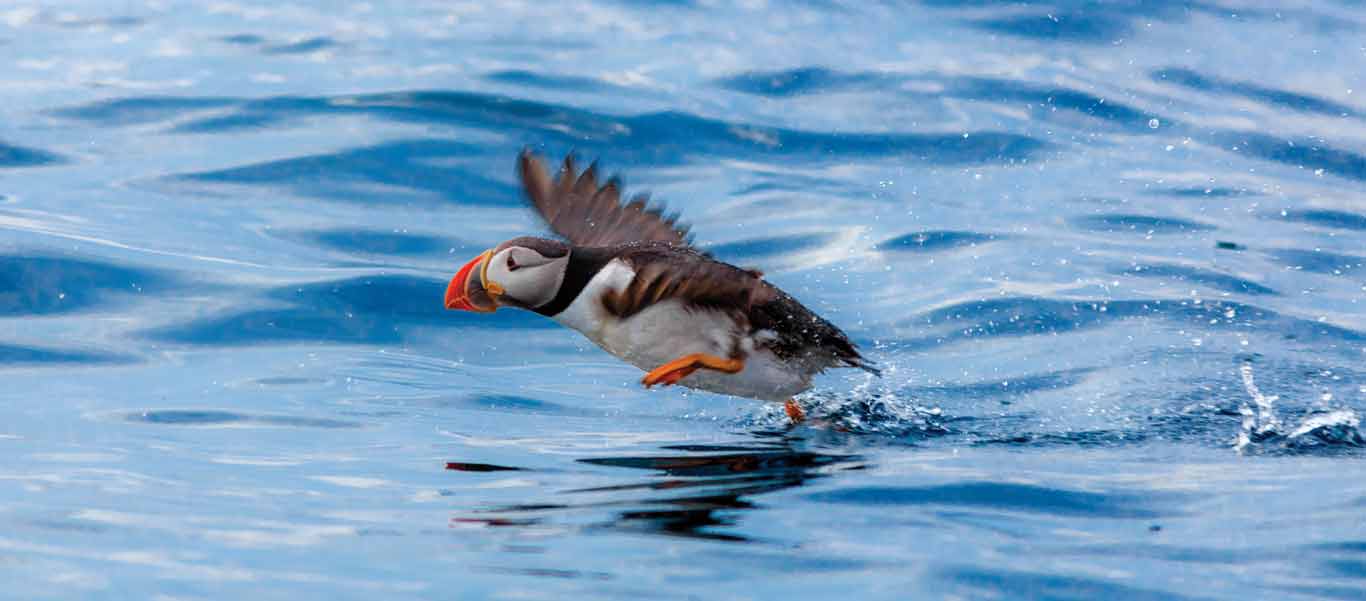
pixel 467 290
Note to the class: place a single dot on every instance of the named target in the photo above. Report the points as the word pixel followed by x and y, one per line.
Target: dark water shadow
pixel 392 173
pixel 567 83
pixel 1197 192
pixel 760 248
pixel 1317 261
pixel 1341 220
pixel 220 418
pixel 242 39
pixel 650 138
pixel 230 123
pixel 934 241
pixel 692 491
pixel 1143 224
pixel 13 355
pixel 115 22
pixel 141 110
pixel 361 310
pixel 1304 153
pixel 494 402
pixel 804 80
pixel 50 285
pixel 1182 274
pixel 1346 559
pixel 1003 389
pixel 1011 584
pixel 305 46
pixel 375 242
pixel 1010 92
pixel 1084 22
pixel 1252 91
pixel 1003 496
pixel 1047 98
pixel 1030 316
pixel 13 157
pixel 791 182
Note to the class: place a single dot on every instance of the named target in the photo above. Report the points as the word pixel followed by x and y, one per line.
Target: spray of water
pixel 1338 427
pixel 871 405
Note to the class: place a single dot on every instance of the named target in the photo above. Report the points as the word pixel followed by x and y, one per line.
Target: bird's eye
pixel 512 264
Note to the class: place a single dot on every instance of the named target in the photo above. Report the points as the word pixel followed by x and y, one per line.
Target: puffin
pixel 629 278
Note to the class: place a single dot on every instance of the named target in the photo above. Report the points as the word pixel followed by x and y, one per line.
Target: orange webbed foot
pixel 794 411
pixel 670 373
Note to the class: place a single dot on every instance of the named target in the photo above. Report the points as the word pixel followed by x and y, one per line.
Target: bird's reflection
pixel 694 491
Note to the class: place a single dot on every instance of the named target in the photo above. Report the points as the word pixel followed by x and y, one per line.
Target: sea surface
pixel 1110 255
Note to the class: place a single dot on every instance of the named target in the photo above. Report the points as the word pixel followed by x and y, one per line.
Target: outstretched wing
pixel 574 206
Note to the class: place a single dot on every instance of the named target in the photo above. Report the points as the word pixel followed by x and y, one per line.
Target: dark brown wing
pixel 666 272
pixel 588 215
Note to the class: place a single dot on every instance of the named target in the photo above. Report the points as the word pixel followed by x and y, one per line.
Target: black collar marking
pixel 584 263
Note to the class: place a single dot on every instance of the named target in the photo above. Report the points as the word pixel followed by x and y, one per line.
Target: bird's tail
pixel 865 365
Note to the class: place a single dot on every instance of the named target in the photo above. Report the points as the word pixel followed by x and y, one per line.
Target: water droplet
pixel 1154 124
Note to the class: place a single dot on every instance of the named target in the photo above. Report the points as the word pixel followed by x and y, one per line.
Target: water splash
pixel 1339 427
pixel 1259 425
pixel 872 406
pixel 1328 428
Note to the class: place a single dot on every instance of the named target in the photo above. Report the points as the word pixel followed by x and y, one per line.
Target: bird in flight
pixel 628 278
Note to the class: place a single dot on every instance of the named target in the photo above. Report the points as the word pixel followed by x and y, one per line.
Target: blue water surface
pixel 1111 255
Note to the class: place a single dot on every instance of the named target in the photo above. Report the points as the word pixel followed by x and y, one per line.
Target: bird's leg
pixel 673 371
pixel 794 411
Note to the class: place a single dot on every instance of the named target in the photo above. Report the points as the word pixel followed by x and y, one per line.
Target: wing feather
pixel 690 277
pixel 575 207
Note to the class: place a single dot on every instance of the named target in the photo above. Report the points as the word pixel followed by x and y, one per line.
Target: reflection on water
pixel 700 493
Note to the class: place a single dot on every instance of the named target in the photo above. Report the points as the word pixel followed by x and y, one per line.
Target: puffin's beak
pixel 468 291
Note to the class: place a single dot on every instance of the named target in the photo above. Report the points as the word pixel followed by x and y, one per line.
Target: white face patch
pixel 526 276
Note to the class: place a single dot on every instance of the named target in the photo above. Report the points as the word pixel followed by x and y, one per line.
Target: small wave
pixel 533 79
pixel 935 241
pixel 357 241
pixel 759 248
pixel 222 418
pixel 49 285
pixel 23 355
pixel 1194 275
pixel 19 156
pixel 1005 496
pixel 1318 261
pixel 305 46
pixel 1112 223
pixel 362 310
pixel 1252 91
pixel 1328 218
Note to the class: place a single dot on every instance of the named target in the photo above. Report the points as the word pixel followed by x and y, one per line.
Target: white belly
pixel 667 331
